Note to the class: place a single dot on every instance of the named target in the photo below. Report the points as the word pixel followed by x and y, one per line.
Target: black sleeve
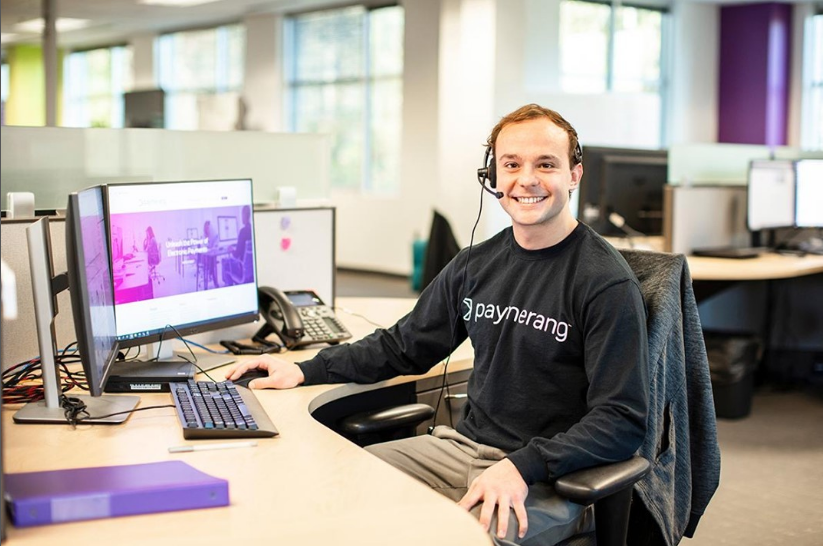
pixel 617 367
pixel 421 339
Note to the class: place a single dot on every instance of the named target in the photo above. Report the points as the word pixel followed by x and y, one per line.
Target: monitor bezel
pixel 97 373
pixel 197 327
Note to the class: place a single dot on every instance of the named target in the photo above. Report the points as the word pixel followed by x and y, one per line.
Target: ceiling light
pixel 175 3
pixel 63 24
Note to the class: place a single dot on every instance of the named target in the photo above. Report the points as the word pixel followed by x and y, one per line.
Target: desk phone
pixel 298 318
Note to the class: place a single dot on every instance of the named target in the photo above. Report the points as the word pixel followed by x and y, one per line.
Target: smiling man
pixel 558 326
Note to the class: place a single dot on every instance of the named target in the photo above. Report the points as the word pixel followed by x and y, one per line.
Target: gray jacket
pixel 681 441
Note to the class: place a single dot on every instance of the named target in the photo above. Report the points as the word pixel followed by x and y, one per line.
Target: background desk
pixel 307 486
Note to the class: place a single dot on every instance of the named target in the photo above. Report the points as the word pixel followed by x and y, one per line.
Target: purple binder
pixel 55 496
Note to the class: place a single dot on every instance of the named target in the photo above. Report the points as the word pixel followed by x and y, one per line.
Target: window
pixel 345 78
pixel 93 87
pixel 195 64
pixel 610 47
pixel 812 124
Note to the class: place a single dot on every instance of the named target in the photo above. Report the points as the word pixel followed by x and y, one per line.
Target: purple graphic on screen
pixel 167 253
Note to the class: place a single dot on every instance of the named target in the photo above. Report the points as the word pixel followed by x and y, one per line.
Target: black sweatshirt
pixel 560 377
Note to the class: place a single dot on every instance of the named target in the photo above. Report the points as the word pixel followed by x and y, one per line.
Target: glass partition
pixel 54 161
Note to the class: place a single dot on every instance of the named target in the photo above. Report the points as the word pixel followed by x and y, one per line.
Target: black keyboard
pixel 209 409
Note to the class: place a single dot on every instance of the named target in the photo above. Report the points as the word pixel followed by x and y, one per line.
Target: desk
pixel 765 267
pixel 307 486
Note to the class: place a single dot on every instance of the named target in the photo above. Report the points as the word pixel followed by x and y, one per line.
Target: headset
pixel 489 170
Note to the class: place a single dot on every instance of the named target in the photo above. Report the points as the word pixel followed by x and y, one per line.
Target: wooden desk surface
pixel 307 486
pixel 767 266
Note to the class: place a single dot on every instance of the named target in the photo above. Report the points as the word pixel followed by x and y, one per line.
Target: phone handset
pixel 281 316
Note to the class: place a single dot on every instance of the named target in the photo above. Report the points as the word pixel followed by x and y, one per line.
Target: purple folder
pixel 55 496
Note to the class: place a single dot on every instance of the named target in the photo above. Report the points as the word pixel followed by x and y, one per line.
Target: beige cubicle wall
pixel 53 161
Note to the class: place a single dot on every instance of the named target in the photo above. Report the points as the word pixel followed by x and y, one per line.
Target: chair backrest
pixel 440 249
pixel 681 441
pixel 153 252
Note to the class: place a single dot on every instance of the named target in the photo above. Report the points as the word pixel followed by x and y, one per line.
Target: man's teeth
pixel 529 200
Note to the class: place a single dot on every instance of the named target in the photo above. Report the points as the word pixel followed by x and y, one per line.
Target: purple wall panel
pixel 755 49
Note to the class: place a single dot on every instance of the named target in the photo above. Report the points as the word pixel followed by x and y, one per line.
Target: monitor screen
pixel 632 186
pixel 591 186
pixel 176 275
pixel 89 275
pixel 809 193
pixel 770 194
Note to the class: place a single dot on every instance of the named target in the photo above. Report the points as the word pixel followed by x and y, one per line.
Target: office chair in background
pixel 153 258
pixel 631 499
pixel 441 248
pixel 239 271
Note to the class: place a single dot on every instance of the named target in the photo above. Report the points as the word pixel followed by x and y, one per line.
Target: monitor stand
pixel 45 288
pixel 98 407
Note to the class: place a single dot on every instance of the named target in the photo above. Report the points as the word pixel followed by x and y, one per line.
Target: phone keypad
pixel 321 324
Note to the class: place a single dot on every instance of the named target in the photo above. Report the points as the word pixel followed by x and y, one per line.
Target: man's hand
pixel 282 374
pixel 499 485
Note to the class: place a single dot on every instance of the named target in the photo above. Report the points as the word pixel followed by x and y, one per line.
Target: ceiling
pixel 113 21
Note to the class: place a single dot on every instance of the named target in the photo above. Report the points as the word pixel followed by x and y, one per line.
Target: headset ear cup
pixel 492 172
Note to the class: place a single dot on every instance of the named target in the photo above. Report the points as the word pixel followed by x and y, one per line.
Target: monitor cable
pixel 620 223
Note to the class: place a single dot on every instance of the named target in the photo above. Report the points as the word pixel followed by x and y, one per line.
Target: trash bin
pixel 732 362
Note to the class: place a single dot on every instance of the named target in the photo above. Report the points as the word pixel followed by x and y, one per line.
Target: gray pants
pixel 447 462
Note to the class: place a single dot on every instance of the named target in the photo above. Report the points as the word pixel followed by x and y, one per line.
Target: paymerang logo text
pixel 488 311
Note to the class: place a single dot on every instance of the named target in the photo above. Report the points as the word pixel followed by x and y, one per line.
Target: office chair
pixel 441 248
pixel 153 255
pixel 680 456
pixel 238 271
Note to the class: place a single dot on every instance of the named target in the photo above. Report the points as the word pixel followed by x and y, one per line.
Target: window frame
pixel 222 65
pixel 368 79
pixel 117 116
pixel 663 82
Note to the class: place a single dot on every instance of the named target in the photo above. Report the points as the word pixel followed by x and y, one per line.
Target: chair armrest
pixel 371 422
pixel 592 484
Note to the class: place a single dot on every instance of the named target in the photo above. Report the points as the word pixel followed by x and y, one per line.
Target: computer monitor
pixel 770 194
pixel 596 173
pixel 176 276
pixel 632 186
pixel 89 282
pixel 809 193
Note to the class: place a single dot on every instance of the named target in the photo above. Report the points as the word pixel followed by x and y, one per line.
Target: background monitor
pixel 770 195
pixel 809 193
pixel 174 278
pixel 632 186
pixel 597 175
pixel 145 108
pixel 89 282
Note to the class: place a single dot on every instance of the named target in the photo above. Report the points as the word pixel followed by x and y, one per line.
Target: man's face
pixel 533 172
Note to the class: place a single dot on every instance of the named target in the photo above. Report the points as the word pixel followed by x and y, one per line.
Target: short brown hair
pixel 535 111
